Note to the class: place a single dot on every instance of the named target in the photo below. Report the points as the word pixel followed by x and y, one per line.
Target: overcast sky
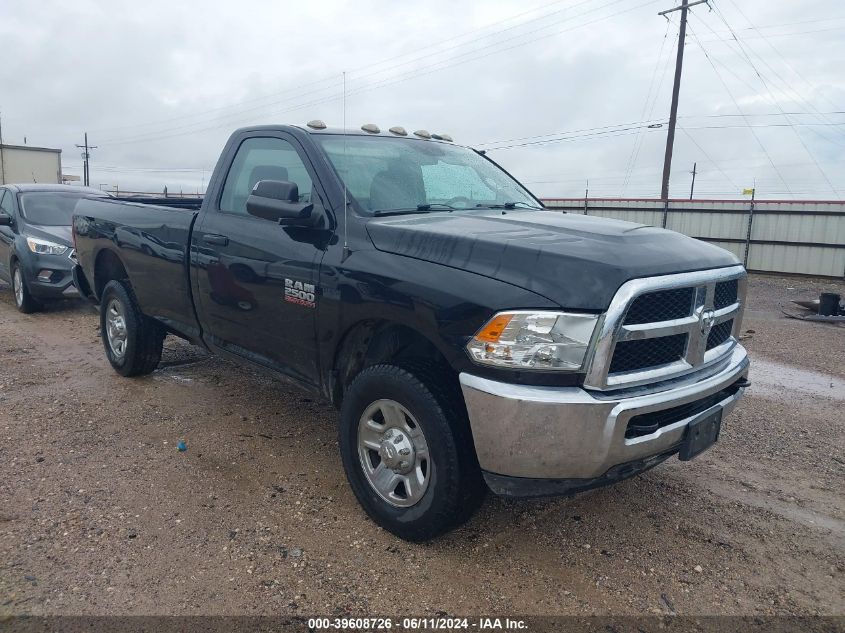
pixel 160 85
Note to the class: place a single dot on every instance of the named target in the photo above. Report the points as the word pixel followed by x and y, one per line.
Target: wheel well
pixel 108 267
pixel 373 342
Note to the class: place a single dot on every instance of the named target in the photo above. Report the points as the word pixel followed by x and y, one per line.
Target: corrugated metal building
pixel 786 236
pixel 23 163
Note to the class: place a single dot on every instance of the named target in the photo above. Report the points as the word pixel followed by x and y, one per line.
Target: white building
pixel 23 163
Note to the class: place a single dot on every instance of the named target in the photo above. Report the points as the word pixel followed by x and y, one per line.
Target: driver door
pixel 255 281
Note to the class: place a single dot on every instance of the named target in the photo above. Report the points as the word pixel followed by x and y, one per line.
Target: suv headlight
pixel 556 341
pixel 43 247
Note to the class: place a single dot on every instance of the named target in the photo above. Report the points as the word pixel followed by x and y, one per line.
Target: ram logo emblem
pixel 705 322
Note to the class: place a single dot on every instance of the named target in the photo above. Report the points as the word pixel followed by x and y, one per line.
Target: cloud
pixel 160 85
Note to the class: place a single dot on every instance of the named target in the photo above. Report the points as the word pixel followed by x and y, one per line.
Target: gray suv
pixel 36 248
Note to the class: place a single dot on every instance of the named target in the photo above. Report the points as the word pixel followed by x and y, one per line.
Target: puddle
pixel 173 378
pixel 781 382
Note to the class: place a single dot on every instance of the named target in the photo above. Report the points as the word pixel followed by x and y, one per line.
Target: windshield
pixel 383 174
pixel 50 208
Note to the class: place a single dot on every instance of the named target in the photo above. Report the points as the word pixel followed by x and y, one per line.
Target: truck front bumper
pixel 538 441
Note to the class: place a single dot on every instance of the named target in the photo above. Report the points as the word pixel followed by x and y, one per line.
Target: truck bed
pixel 153 244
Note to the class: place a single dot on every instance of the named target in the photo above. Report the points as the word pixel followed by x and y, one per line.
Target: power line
pixel 782 24
pixel 739 109
pixel 653 123
pixel 764 125
pixel 769 35
pixel 598 132
pixel 785 61
pixel 787 87
pixel 333 78
pixel 425 70
pixel 707 156
pixel 773 99
pixel 635 149
pixel 300 94
pixel 554 134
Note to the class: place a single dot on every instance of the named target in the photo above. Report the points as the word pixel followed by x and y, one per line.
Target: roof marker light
pixel 422 134
pixel 398 130
pixel 446 138
pixel 437 137
pixel 316 124
pixel 371 128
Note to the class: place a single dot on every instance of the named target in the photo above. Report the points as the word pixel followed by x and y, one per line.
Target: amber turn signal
pixel 494 328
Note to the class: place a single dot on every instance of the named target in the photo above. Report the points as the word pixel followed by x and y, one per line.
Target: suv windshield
pixel 383 174
pixel 50 208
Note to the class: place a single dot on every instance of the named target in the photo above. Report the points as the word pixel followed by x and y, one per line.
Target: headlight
pixel 534 340
pixel 43 247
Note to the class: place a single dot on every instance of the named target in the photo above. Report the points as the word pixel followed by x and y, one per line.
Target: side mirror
pixel 278 200
pixel 6 220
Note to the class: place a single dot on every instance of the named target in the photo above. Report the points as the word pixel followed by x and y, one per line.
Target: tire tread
pixel 466 491
pixel 30 304
pixel 144 353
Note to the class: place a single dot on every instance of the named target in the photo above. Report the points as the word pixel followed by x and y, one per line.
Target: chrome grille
pixel 726 293
pixel 662 305
pixel 648 352
pixel 719 334
pixel 662 327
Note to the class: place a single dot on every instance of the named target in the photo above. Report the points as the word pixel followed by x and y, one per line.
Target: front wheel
pixel 133 342
pixel 408 453
pixel 24 301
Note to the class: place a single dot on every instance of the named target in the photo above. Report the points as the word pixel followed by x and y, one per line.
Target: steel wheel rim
pixel 17 283
pixel 116 328
pixel 393 453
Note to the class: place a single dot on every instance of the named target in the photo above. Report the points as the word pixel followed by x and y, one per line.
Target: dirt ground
pixel 100 514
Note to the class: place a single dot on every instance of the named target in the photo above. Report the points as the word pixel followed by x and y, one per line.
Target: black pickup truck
pixel 470 338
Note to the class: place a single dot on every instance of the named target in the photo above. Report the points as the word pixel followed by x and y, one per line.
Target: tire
pixel 24 301
pixel 133 348
pixel 453 488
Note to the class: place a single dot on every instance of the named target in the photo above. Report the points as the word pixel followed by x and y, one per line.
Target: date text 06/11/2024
pixel 417 624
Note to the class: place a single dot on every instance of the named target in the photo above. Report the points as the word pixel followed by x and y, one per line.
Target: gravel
pixel 101 514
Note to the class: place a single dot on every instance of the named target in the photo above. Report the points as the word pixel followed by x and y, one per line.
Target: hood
pixel 59 234
pixel 577 261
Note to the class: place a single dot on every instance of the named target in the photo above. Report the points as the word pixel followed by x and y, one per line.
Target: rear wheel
pixel 133 342
pixel 24 301
pixel 407 452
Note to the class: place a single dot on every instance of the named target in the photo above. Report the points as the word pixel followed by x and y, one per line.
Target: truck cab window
pixel 263 159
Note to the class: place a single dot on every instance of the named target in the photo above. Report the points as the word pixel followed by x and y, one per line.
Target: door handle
pixel 220 240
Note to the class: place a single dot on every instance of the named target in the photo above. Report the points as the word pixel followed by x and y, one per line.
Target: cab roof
pixel 338 131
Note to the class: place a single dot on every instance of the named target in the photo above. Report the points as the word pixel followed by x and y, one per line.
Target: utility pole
pixel 673 114
pixel 586 196
pixel 85 156
pixel 750 223
pixel 692 186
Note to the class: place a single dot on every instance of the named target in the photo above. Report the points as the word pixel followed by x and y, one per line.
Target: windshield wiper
pixel 508 205
pixel 436 205
pixel 420 208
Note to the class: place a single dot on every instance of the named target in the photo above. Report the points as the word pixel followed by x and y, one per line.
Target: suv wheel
pixel 133 342
pixel 408 453
pixel 24 301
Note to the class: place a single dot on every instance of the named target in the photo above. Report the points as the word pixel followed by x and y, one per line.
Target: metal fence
pixel 797 237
